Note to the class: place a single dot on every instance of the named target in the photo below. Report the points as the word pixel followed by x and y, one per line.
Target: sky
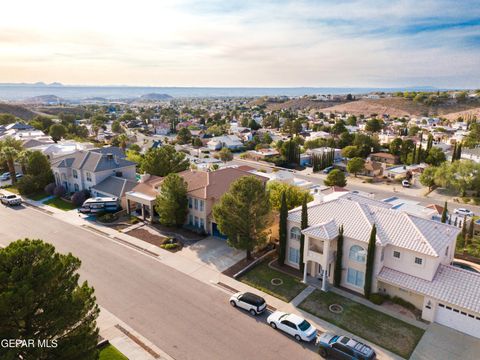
pixel 242 43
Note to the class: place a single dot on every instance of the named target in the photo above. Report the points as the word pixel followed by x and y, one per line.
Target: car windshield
pixel 304 325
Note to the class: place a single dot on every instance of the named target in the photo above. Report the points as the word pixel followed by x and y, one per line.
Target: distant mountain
pixel 156 97
pixel 44 99
pixel 55 84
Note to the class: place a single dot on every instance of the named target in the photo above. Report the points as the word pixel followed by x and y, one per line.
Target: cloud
pixel 243 43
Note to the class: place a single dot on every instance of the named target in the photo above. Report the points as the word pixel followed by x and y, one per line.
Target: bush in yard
pixel 377 299
pixel 27 185
pixel 78 198
pixel 50 188
pixel 59 191
pixel 404 303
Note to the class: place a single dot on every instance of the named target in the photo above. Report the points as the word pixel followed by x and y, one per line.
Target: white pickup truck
pixel 11 200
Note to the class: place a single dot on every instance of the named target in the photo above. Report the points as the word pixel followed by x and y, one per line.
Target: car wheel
pixel 298 338
pixel 322 352
pixel 273 325
pixel 233 303
pixel 253 312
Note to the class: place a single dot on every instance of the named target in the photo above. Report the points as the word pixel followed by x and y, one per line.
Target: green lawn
pixel 388 332
pixel 260 277
pixel 111 353
pixel 38 196
pixel 60 204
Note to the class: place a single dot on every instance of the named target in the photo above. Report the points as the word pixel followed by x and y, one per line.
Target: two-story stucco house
pixel 94 170
pixel 204 189
pixel 412 257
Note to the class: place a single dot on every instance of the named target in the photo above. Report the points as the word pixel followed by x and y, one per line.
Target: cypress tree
pixel 337 275
pixel 367 289
pixel 429 142
pixel 464 229
pixel 455 222
pixel 470 230
pixel 454 152
pixel 414 154
pixel 283 230
pixel 444 213
pixel 303 225
pixel 419 155
pixel 459 151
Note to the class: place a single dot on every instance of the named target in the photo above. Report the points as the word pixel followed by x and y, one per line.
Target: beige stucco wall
pixel 411 297
pixel 407 265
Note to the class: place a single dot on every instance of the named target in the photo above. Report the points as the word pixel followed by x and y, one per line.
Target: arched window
pixel 357 253
pixel 295 233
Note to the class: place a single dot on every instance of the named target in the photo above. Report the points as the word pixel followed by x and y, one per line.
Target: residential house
pixel 204 189
pixel 385 158
pixel 471 154
pixel 86 169
pixel 262 154
pixel 373 168
pixel 231 142
pixel 412 257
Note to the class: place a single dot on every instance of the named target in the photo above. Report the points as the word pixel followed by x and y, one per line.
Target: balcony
pixel 315 250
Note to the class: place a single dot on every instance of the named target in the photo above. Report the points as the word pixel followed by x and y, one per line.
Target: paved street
pixel 185 317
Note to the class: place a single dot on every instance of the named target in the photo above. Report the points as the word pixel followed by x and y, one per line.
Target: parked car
pixel 344 348
pixel 18 175
pixel 293 325
pixel 327 170
pixel 254 304
pixel 11 200
pixel 405 183
pixel 463 212
pixel 5 176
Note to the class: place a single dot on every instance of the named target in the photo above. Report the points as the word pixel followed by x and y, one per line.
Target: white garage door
pixel 459 320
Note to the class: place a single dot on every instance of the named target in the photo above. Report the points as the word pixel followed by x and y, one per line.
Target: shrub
pixel 78 198
pixel 27 185
pixel 106 217
pixel 377 298
pixel 133 220
pixel 404 303
pixel 169 246
pixel 59 191
pixel 50 188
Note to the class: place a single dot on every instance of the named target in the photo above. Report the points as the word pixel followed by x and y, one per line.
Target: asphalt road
pixel 184 317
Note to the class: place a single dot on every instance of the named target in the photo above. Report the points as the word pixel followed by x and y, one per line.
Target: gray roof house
pixel 89 169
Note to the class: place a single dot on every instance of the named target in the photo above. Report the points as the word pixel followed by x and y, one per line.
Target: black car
pixel 344 348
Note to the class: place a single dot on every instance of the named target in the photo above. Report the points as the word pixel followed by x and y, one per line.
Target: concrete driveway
pixel 213 252
pixel 442 343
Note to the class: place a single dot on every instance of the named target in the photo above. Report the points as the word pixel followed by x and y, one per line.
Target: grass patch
pixel 110 352
pixel 386 331
pixel 38 196
pixel 261 276
pixel 60 204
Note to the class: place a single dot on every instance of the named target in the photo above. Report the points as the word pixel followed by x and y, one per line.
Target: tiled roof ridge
pixel 425 240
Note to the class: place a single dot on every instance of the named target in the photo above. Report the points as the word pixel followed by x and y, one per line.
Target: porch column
pixel 143 212
pixel 305 272
pixel 324 280
pixel 128 206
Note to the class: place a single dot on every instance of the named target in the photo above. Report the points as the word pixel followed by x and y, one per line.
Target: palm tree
pixel 22 159
pixel 9 154
pixel 122 141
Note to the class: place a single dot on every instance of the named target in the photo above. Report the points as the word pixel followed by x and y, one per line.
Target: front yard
pixel 111 353
pixel 60 204
pixel 386 331
pixel 261 277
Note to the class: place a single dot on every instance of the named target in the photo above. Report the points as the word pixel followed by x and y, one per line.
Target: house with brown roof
pixel 385 158
pixel 204 189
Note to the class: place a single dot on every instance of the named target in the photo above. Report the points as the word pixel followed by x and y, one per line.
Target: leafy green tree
pixel 57 132
pixel 225 155
pixel 197 142
pixel 252 124
pixel 355 165
pixel 427 178
pixel 184 136
pixel 303 226
pixel 367 290
pixel 460 175
pixel 22 159
pixel 395 146
pixel 435 156
pixel 171 202
pixel 164 160
pixel 117 128
pixel 335 178
pixel 41 299
pixel 350 151
pixel 337 275
pixel 122 141
pixel 444 213
pixel 243 214
pixel 374 125
pixel 9 154
pixel 471 230
pixel 6 119
pixel 294 195
pixel 282 234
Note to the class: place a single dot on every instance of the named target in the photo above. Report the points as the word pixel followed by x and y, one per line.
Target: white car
pixel 405 183
pixel 463 212
pixel 254 304
pixel 294 325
